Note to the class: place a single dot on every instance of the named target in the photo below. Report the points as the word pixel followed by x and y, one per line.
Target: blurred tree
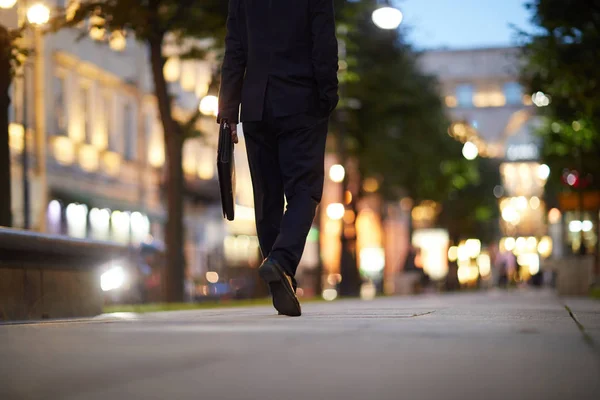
pixel 5 80
pixel 12 55
pixel 392 121
pixel 152 22
pixel 561 67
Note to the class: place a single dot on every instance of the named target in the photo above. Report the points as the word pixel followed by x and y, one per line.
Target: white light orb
pixel 172 69
pixel 209 105
pixel 38 14
pixel 470 151
pixel 336 211
pixel 543 172
pixel 387 17
pixel 337 173
pixel 6 4
pixel 212 277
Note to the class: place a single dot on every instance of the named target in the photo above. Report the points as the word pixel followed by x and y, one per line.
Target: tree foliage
pixel 561 60
pixel 188 24
pixel 396 126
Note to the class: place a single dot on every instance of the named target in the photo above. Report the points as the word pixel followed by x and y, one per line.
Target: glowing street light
pixel 6 4
pixel 38 14
pixel 387 18
pixel 470 151
pixel 209 105
pixel 336 211
pixel 337 173
pixel 543 172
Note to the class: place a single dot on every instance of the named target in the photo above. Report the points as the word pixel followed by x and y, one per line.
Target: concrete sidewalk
pixel 495 345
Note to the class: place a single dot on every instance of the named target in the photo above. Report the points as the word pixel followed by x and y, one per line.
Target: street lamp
pixel 337 173
pixel 38 14
pixel 470 151
pixel 387 18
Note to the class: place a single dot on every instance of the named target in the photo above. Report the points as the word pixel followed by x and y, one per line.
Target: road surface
pixel 493 345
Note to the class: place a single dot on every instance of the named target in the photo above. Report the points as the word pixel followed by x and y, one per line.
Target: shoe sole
pixel 284 299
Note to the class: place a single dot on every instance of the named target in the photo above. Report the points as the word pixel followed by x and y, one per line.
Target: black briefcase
pixel 226 171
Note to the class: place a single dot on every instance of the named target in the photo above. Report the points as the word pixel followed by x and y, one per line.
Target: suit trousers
pixel 286 157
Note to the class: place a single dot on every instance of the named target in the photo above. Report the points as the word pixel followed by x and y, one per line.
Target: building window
pixel 59 122
pixel 129 133
pixel 148 131
pixel 513 93
pixel 107 118
pixel 490 98
pixel 464 95
pixel 84 95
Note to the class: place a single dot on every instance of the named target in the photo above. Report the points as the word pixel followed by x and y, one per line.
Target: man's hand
pixel 234 135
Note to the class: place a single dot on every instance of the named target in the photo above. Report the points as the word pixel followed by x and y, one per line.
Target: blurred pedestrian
pixel 506 266
pixel 280 64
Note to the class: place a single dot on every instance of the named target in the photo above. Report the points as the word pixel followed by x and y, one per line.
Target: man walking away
pixel 281 65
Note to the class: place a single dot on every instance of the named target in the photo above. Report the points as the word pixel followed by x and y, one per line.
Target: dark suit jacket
pixel 287 47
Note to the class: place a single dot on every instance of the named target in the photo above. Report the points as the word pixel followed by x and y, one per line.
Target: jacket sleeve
pixel 325 52
pixel 234 65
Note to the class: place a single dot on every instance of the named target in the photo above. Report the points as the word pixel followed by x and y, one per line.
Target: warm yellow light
pixel 521 203
pixel 520 246
pixel 63 150
pixel 347 197
pixel 554 216
pixel 534 203
pixel 6 4
pixel 112 162
pixel 464 274
pixel 453 254
pixel 463 252
pixel 97 30
pixel 16 132
pixel 451 101
pixel 172 69
pixel 206 169
pixel 370 185
pixel 156 154
pixel 349 216
pixel 188 75
pixel 473 247
pixel 337 173
pixel 509 243
pixel 489 99
pixel 336 211
pixel 545 247
pixel 117 41
pixel 532 244
pixel 71 9
pixel 88 158
pixel 511 215
pixel 209 105
pixel 212 277
pixel 38 14
pixel 485 264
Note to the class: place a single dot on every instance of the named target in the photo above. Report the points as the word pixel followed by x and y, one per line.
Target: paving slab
pixel 492 345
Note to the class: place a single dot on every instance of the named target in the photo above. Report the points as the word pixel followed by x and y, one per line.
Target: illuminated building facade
pixel 96 147
pixel 494 118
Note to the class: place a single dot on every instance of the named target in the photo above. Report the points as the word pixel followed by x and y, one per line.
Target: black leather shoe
pixel 281 287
